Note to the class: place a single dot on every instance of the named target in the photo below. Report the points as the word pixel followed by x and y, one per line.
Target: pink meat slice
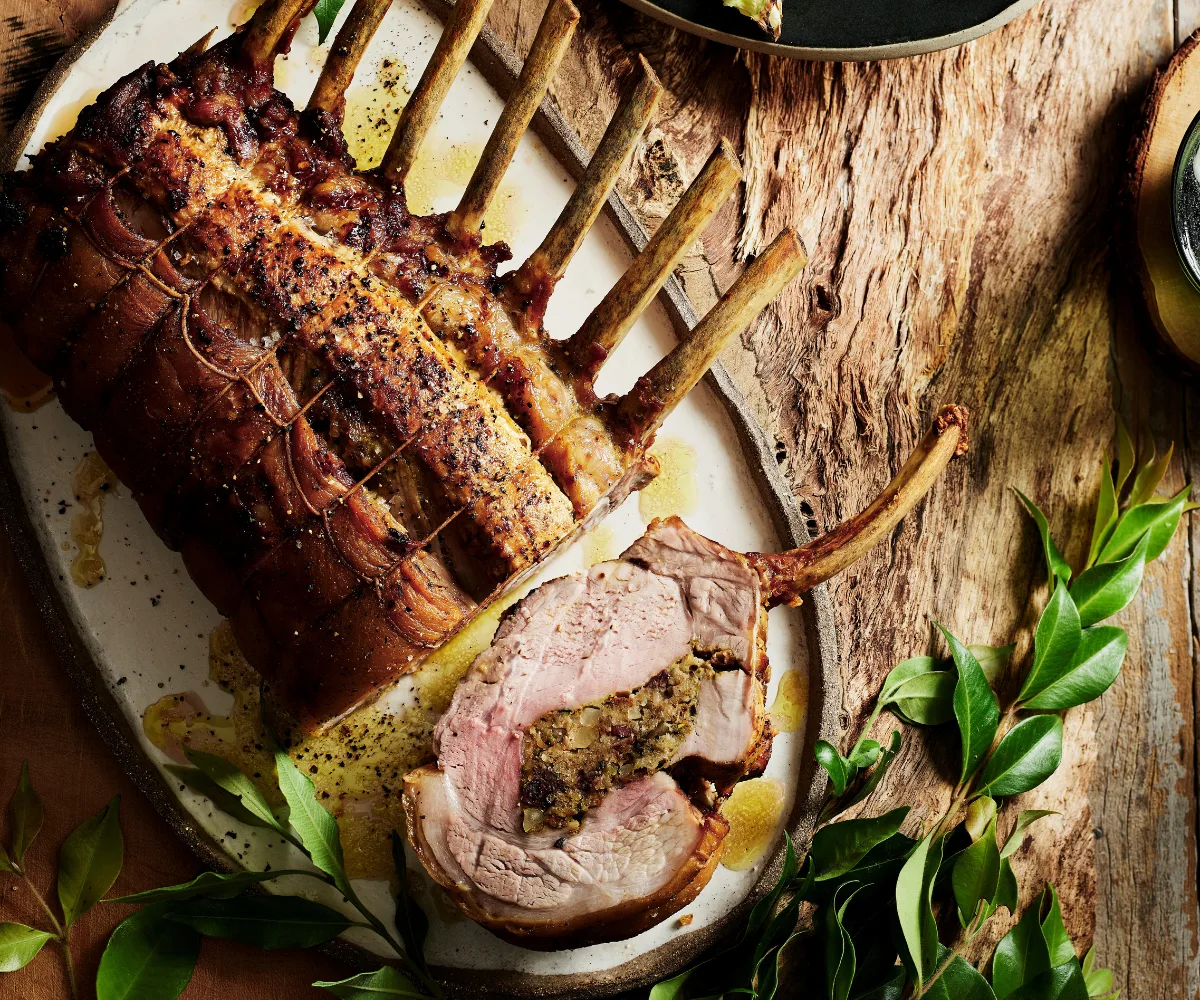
pixel 573 641
pixel 729 719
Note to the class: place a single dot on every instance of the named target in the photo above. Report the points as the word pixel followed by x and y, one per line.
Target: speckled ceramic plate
pixel 845 29
pixel 143 633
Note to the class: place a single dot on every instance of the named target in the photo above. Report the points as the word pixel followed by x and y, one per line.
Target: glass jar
pixel 1185 203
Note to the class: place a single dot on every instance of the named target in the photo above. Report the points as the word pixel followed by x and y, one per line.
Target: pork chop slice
pixel 651 842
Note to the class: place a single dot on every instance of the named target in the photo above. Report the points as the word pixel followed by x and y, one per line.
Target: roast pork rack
pixel 585 756
pixel 356 433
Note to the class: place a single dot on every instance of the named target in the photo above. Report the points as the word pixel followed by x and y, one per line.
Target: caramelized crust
pixel 204 282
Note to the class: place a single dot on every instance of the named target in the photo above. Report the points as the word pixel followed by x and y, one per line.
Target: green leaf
pixel 5 863
pixel 840 961
pixel 326 12
pixel 960 980
pixel 918 692
pixel 316 826
pixel 25 815
pixel 764 963
pixel 914 892
pixel 148 957
pixel 1057 567
pixel 1025 819
pixel 668 989
pixel 886 756
pixel 879 867
pixel 1007 890
pixel 841 772
pixel 19 945
pixel 1029 753
pixel 1063 982
pixel 1106 588
pixel 1058 942
pixel 230 779
pixel 411 920
pixel 891 989
pixel 927 699
pixel 975 706
pixel 875 954
pixel 1126 459
pixel 838 847
pixel 903 672
pixel 1099 982
pixel 202 784
pixel 765 907
pixel 981 813
pixel 1106 513
pixel 765 983
pixel 89 862
pixel 1021 955
pixel 1093 668
pixel 1156 519
pixel 976 875
pixel 992 659
pixel 385 982
pixel 1148 477
pixel 865 752
pixel 216 884
pixel 1054 641
pixel 264 921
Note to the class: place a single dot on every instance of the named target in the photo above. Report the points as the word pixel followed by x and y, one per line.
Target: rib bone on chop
pixel 353 430
pixel 567 659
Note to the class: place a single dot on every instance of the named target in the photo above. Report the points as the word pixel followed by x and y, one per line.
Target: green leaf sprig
pixel 152 953
pixel 89 862
pixel 877 890
pixel 219 905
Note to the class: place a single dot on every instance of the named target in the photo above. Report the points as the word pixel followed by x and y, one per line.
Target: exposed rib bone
pixel 344 55
pixel 788 575
pixel 549 46
pixel 606 327
pixel 659 391
pixel 269 26
pixel 461 30
pixel 550 259
pixel 199 45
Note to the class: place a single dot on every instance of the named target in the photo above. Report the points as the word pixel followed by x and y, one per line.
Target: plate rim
pixel 499 65
pixel 865 53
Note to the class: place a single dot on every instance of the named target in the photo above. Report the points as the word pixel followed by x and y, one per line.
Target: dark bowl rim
pixel 862 53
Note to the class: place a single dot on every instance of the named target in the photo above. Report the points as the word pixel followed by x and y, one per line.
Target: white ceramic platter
pixel 144 630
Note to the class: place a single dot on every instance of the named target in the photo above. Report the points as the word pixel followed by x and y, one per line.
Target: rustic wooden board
pixel 961 209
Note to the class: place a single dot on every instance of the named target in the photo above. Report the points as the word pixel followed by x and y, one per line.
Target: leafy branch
pixel 875 891
pixel 88 864
pixel 217 905
pixel 152 953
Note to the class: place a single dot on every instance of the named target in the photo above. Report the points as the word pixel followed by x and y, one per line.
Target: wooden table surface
pixel 963 213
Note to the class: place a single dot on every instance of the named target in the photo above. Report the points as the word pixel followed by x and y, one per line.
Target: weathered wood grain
pixel 33 34
pixel 960 210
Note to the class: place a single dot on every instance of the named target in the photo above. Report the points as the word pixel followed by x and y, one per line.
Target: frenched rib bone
pixel 355 433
